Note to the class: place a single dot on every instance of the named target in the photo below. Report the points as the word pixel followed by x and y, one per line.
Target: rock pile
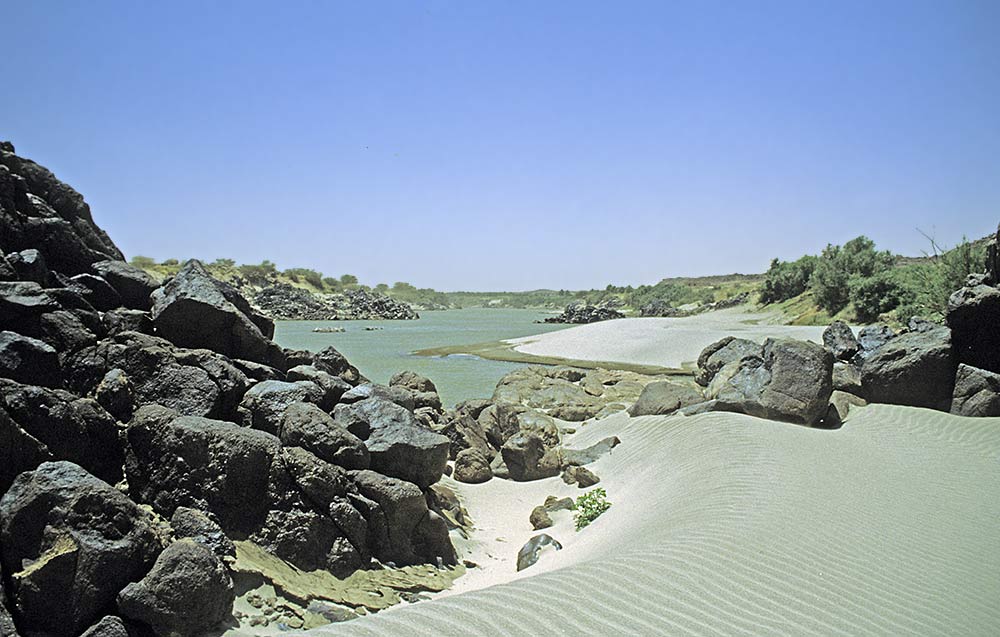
pixel 582 313
pixel 177 394
pixel 286 302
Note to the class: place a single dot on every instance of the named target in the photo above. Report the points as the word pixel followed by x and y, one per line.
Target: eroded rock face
pixel 916 369
pixel 65 535
pixel 187 592
pixel 195 310
pixel 977 392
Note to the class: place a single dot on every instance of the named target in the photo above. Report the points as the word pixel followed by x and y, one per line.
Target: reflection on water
pixel 381 353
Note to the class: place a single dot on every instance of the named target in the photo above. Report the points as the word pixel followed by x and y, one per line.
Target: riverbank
pixel 643 345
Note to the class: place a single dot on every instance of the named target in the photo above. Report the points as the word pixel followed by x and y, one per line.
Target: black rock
pixel 977 392
pixel 840 340
pixel 332 362
pixel 664 397
pixel 870 339
pixel 29 265
pixel 399 395
pixel 195 310
pixel 974 317
pixel 916 369
pixel 109 626
pixel 263 406
pixel 333 386
pixel 307 426
pixel 721 353
pixel 131 282
pixel 472 467
pixel 579 313
pixel 28 360
pixel 71 428
pixel 527 458
pixel 69 543
pixel 195 525
pixel 187 592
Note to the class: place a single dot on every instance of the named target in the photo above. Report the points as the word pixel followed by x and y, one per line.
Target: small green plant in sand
pixel 589 506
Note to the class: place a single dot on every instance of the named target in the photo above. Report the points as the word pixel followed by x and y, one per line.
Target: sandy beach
pixel 661 342
pixel 728 524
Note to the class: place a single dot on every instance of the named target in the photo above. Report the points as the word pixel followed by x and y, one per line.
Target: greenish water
pixel 380 354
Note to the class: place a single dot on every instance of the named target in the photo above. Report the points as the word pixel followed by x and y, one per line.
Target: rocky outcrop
pixel 195 310
pixel 286 302
pixel 187 592
pixel 916 369
pixel 69 543
pixel 578 313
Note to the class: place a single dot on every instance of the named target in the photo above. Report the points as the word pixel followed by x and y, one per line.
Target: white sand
pixel 666 342
pixel 724 524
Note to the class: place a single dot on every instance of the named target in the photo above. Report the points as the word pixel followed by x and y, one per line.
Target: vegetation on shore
pixel 857 282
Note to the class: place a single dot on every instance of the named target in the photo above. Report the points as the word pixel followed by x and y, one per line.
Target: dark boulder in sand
pixel 472 467
pixel 28 360
pixel 69 543
pixel 791 381
pixel 663 397
pixel 916 369
pixel 870 339
pixel 527 458
pixel 974 319
pixel 840 340
pixel 195 310
pixel 71 428
pixel 411 532
pixel 720 353
pixel 132 283
pixel 187 592
pixel 977 392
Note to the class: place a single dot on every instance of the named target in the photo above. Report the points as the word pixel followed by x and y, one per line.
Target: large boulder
pixel 424 392
pixel 977 392
pixel 132 283
pixel 210 465
pixel 197 526
pixel 398 445
pixel 664 397
pixel 720 353
pixel 69 543
pixel 334 363
pixel 527 458
pixel 333 386
pixel 187 592
pixel 410 532
pixel 195 310
pixel 98 292
pixel 28 360
pixel 871 338
pixel 790 381
pixel 306 425
pixel 916 369
pixel 840 340
pixel 973 316
pixel 70 428
pixel 264 404
pixel 472 467
pixel 465 432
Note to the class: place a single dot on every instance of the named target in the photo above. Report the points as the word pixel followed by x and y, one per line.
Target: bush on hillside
pixel 787 279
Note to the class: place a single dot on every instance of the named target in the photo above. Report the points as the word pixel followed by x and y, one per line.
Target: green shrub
pixel 590 506
pixel 874 295
pixel 145 263
pixel 839 266
pixel 787 279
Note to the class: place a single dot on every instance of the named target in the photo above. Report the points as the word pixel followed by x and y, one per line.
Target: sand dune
pixel 724 524
pixel 664 342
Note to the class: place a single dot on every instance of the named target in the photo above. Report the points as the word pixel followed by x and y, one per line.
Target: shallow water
pixel 380 354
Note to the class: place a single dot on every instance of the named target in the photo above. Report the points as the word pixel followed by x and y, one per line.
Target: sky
pixel 513 145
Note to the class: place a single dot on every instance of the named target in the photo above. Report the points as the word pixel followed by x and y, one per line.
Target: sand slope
pixel 724 524
pixel 664 342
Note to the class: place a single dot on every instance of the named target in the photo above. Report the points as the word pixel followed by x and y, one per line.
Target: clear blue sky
pixel 512 145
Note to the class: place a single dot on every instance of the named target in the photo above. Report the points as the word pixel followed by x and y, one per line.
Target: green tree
pixel 146 263
pixel 787 279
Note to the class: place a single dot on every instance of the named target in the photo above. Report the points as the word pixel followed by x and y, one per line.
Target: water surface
pixel 380 354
